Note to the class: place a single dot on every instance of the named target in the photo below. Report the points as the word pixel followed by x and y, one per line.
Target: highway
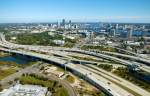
pixel 48 49
pixel 92 78
pixel 115 59
pixel 117 79
pixel 128 56
pixel 99 81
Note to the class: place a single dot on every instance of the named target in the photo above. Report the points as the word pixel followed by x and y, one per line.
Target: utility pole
pixel 65 68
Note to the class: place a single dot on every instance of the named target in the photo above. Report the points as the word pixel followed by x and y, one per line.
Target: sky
pixel 24 11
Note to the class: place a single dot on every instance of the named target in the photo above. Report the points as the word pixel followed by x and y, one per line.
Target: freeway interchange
pixel 97 77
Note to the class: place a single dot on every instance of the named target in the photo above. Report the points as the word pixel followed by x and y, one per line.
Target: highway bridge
pixel 102 54
pixel 89 76
pixel 108 90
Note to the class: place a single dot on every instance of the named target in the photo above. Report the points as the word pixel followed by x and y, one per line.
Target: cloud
pixel 125 17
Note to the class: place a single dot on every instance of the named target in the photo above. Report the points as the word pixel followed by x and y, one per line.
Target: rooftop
pixel 25 90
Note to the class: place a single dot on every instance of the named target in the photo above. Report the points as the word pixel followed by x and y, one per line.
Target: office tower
pixel 69 25
pixel 63 22
pixel 117 26
pixel 130 33
pixel 58 24
pixel 114 32
pixel 70 22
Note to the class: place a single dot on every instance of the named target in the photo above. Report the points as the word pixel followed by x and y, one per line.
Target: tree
pixel 1 87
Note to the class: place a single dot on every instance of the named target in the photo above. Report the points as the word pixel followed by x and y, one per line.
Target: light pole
pixel 65 68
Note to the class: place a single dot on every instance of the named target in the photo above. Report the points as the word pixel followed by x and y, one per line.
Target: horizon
pixel 35 11
pixel 74 22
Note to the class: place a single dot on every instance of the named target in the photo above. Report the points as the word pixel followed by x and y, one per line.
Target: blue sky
pixel 76 10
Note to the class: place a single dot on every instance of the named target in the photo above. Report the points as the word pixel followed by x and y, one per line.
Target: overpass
pixel 60 51
pixel 89 76
pixel 136 58
pixel 102 54
pixel 92 79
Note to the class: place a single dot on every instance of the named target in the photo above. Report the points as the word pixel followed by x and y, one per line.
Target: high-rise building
pixel 112 32
pixel 130 33
pixel 63 22
pixel 70 22
pixel 69 25
pixel 117 26
pixel 58 24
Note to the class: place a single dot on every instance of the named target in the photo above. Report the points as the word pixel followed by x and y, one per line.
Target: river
pixel 16 58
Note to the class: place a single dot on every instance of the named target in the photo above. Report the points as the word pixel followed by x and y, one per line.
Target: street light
pixel 65 67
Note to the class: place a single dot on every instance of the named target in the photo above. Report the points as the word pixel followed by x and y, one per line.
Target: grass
pixel 60 69
pixel 101 48
pixel 6 72
pixel 61 92
pixel 7 63
pixel 106 67
pixel 124 73
pixel 41 39
pixel 86 58
pixel 91 59
pixel 70 79
pixel 53 86
pixel 11 68
pixel 2 54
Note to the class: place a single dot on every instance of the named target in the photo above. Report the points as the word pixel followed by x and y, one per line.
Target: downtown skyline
pixel 26 11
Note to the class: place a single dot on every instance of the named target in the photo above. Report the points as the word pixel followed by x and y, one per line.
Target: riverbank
pixel 3 54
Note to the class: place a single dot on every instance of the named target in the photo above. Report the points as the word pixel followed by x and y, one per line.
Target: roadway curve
pixel 71 66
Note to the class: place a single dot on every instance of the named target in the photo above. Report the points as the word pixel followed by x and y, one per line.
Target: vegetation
pixel 98 94
pixel 53 86
pixel 25 65
pixel 7 63
pixel 42 39
pixel 86 58
pixel 106 67
pixel 70 79
pixel 83 92
pixel 1 87
pixel 2 54
pixel 8 68
pixel 69 44
pixel 6 72
pixel 37 39
pixel 100 48
pixel 126 74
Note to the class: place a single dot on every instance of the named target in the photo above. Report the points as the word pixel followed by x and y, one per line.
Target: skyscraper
pixel 70 22
pixel 58 24
pixel 69 25
pixel 117 26
pixel 63 22
pixel 130 33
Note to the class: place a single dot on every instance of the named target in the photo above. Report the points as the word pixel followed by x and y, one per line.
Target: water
pixel 15 58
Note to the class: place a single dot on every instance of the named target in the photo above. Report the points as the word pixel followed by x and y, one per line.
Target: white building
pixel 25 90
pixel 59 42
pixel 132 43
